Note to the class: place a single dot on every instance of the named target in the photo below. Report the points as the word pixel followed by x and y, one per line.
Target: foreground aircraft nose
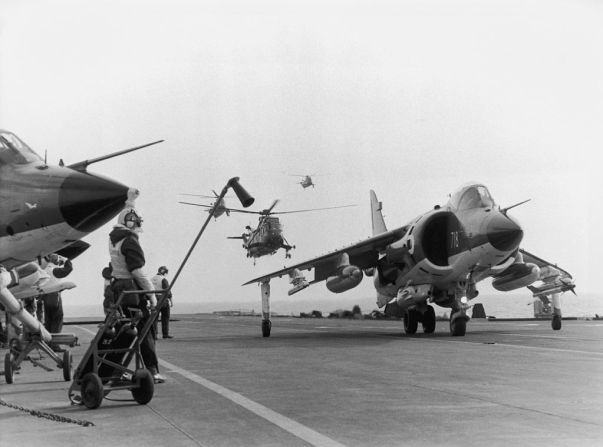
pixel 503 233
pixel 89 201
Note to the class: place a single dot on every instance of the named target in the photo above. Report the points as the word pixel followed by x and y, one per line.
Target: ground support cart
pixel 32 347
pixel 104 366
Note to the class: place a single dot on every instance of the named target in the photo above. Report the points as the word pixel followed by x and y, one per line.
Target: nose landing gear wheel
pixel 458 327
pixel 8 368
pixel 92 390
pixel 143 392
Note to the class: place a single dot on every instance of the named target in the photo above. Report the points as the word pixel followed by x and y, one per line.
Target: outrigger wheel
pixel 266 326
pixel 92 390
pixel 556 322
pixel 8 368
pixel 144 386
pixel 67 365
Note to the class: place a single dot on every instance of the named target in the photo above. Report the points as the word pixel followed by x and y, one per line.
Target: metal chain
pixel 49 416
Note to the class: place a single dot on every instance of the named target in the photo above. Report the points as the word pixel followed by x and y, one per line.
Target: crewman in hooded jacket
pixel 127 262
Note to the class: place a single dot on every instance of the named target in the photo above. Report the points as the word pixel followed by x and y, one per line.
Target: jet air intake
pixel 438 238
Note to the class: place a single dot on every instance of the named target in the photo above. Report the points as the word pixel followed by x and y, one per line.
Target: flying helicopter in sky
pixel 306 180
pixel 267 238
pixel 220 209
pixel 48 209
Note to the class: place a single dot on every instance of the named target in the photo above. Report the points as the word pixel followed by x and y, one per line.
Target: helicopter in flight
pixel 267 238
pixel 306 180
pixel 220 209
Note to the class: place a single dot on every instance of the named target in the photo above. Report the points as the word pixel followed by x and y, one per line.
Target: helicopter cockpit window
pixel 473 197
pixel 15 151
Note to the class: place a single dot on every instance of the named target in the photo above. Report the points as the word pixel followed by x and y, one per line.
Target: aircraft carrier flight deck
pixel 333 382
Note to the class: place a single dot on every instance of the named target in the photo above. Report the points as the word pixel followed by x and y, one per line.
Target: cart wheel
pixel 8 368
pixel 92 390
pixel 144 386
pixel 67 365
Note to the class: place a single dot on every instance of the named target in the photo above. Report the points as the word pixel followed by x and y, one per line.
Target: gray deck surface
pixel 335 382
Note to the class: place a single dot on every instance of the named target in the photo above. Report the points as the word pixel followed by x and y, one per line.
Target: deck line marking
pixel 295 428
pixel 538 348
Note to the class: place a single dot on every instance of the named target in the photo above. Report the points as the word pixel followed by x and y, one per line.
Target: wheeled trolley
pixel 105 365
pixel 32 347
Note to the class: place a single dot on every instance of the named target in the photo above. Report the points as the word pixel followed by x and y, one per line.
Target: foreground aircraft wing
pixel 363 254
pixel 554 278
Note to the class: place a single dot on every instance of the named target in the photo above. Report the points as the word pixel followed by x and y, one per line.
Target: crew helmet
pixel 130 219
pixel 162 270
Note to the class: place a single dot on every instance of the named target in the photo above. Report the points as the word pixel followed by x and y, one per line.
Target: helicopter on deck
pixel 267 238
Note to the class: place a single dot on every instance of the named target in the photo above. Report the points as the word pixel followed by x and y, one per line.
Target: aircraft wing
pixel 560 280
pixel 363 254
pixel 529 257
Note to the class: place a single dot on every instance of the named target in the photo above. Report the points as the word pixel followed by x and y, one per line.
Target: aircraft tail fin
pixel 376 216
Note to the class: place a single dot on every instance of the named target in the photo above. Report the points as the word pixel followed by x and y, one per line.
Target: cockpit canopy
pixel 470 197
pixel 14 151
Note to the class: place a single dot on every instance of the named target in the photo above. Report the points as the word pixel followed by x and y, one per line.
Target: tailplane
pixel 376 216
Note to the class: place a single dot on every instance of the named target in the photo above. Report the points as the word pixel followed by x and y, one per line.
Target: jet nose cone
pixel 503 233
pixel 89 201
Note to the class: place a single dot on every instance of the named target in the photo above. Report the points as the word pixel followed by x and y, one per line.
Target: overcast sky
pixel 409 98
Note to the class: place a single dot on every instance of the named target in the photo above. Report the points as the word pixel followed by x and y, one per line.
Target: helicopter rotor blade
pixel 269 210
pixel 313 209
pixel 197 204
pixel 202 195
pixel 244 211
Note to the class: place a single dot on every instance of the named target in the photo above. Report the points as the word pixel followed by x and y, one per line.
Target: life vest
pixel 118 261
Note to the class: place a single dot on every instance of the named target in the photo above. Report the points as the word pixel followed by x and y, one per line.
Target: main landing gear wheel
pixel 266 326
pixel 145 386
pixel 8 368
pixel 556 322
pixel 411 321
pixel 429 320
pixel 458 326
pixel 67 365
pixel 92 390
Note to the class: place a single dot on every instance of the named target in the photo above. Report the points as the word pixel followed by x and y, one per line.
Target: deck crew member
pixel 160 282
pixel 127 261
